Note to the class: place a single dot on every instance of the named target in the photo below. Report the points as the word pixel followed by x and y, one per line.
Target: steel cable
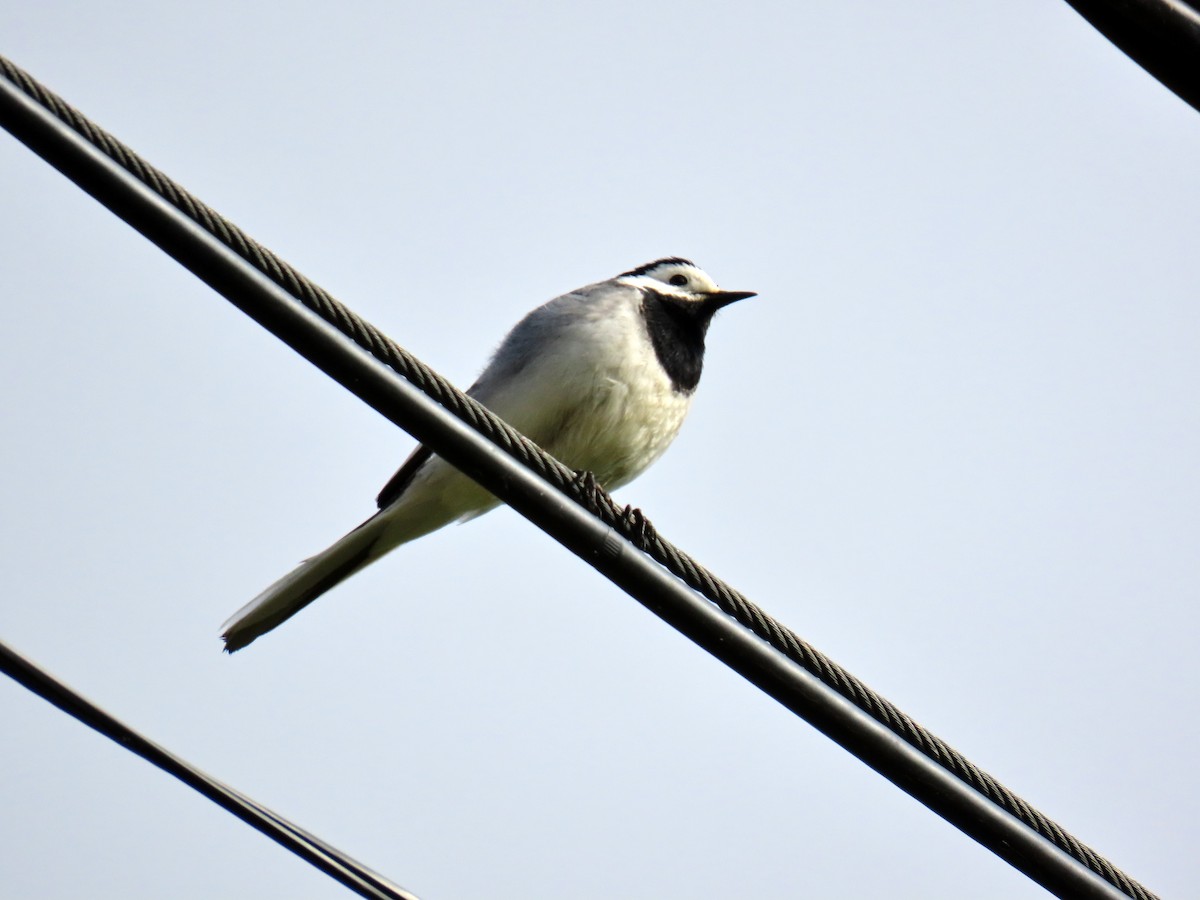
pixel 333 862
pixel 628 522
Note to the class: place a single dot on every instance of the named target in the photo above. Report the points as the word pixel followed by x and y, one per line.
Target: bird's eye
pixel 679 280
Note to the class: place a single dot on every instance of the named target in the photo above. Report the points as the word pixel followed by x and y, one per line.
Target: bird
pixel 601 377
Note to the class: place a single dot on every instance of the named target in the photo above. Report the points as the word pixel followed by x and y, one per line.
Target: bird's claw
pixel 587 488
pixel 638 528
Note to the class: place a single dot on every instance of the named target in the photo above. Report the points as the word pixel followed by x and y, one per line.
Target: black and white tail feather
pixel 601 378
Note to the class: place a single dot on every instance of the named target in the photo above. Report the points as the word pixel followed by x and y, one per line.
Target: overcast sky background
pixel 953 443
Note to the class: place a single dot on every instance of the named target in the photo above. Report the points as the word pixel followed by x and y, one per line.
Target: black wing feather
pixel 399 482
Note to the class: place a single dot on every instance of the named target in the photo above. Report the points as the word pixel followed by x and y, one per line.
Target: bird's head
pixel 678 301
pixel 680 280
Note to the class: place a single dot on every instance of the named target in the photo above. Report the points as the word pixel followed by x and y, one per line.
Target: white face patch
pixel 681 277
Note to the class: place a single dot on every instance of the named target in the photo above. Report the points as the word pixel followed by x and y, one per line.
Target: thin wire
pixel 333 862
pixel 631 524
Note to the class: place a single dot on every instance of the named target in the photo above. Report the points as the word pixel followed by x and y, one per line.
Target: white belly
pixel 630 419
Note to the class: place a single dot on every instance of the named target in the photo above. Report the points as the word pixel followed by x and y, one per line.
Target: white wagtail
pixel 601 378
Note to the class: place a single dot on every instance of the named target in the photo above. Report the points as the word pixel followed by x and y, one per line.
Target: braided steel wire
pixel 629 523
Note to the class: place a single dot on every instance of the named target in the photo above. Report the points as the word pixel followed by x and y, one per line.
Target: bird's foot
pixel 588 489
pixel 638 528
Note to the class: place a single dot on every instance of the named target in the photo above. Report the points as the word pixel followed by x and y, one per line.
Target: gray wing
pixel 518 385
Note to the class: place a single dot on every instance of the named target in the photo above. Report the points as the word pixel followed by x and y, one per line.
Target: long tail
pixel 304 584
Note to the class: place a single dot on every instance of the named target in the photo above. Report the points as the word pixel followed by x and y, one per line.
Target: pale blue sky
pixel 952 443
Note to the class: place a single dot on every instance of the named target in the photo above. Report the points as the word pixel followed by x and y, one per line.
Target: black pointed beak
pixel 721 299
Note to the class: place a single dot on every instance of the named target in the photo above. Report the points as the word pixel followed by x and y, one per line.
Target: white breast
pixel 590 389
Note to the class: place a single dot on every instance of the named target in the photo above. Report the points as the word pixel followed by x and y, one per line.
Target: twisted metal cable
pixel 629 523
